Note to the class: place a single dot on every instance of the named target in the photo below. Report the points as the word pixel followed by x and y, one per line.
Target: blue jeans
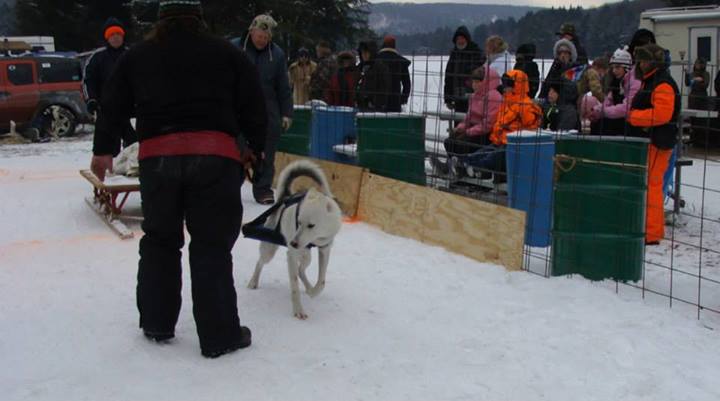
pixel 490 157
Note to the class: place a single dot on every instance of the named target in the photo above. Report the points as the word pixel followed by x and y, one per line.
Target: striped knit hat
pixel 179 8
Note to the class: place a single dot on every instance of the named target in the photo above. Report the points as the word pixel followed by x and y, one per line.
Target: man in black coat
pixel 97 72
pixel 525 62
pixel 373 86
pixel 465 56
pixel 399 74
pixel 200 117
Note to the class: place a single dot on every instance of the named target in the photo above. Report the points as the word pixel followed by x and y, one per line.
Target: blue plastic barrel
pixel 529 179
pixel 332 125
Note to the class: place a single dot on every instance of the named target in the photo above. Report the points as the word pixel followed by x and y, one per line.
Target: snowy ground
pixel 397 321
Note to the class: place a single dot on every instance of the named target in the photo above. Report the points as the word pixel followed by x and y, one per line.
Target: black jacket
pixel 525 63
pixel 373 86
pixel 399 78
pixel 100 65
pixel 190 82
pixel 458 70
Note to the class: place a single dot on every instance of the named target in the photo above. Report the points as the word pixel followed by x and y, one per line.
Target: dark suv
pixel 43 93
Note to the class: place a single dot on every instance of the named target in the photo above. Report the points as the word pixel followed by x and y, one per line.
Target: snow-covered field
pixel 398 320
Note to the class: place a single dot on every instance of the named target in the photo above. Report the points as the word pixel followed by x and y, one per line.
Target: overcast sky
pixel 539 3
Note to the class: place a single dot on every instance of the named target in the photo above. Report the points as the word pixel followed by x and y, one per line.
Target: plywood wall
pixel 344 180
pixel 479 230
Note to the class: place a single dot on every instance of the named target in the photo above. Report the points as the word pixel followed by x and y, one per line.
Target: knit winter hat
pixel 179 8
pixel 111 27
pixel 622 57
pixel 389 41
pixel 263 22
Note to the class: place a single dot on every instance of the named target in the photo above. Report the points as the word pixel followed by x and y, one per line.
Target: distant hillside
pixel 409 18
pixel 600 29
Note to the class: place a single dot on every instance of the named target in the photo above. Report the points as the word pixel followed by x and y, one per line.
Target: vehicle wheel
pixel 58 122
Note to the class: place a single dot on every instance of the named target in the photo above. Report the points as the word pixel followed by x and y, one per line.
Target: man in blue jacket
pixel 270 61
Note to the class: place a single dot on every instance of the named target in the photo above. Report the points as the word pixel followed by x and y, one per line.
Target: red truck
pixel 43 93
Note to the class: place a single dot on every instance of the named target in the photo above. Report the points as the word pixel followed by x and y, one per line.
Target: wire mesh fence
pixel 585 190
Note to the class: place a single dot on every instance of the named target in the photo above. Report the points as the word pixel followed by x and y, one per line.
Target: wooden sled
pixel 108 200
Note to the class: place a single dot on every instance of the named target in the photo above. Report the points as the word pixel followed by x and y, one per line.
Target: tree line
pixel 601 30
pixel 77 24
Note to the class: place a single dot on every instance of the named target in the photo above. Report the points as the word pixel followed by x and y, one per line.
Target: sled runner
pixel 109 198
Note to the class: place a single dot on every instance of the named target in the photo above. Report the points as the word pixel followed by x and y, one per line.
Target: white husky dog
pixel 312 219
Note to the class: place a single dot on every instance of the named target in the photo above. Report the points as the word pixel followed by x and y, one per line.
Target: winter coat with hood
pixel 484 106
pixel 458 70
pixel 341 91
pixel 272 66
pixel 517 112
pixel 373 86
pixel 399 78
pixel 100 65
pixel 524 61
pixel 557 75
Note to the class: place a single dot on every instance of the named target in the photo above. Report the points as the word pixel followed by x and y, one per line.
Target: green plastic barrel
pixel 296 140
pixel 599 207
pixel 392 145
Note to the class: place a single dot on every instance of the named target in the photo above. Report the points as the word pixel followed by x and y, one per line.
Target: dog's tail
pixel 301 168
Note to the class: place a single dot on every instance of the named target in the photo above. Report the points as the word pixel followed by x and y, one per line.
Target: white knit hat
pixel 622 57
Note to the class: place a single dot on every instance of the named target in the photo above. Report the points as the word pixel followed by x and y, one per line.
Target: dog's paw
pixel 315 291
pixel 300 314
pixel 253 285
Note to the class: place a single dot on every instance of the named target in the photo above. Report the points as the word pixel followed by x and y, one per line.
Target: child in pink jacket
pixel 609 117
pixel 472 133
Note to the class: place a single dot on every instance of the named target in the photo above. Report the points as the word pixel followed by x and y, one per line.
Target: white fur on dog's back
pixel 301 168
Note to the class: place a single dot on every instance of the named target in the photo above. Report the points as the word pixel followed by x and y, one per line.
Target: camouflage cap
pixel 566 29
pixel 263 22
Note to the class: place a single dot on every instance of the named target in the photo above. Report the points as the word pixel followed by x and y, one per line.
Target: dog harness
pixel 256 229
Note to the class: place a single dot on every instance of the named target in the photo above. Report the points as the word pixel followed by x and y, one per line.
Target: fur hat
pixel 263 22
pixel 179 8
pixel 651 53
pixel 495 44
pixel 564 44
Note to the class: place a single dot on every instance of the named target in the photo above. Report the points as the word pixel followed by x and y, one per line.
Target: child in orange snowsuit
pixel 517 112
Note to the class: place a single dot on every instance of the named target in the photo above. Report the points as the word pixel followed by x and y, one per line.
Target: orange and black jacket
pixel 655 109
pixel 517 112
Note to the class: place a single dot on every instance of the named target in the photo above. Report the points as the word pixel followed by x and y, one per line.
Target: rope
pixel 561 164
